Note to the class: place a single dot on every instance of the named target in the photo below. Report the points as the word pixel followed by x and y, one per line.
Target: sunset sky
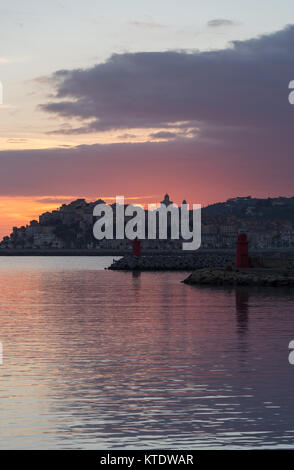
pixel 105 98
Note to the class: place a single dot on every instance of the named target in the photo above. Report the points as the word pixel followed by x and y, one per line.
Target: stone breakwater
pixel 241 277
pixel 172 262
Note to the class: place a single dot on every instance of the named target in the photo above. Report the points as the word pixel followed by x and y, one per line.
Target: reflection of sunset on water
pixel 100 358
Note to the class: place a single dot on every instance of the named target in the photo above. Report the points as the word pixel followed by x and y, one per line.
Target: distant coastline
pixel 104 252
pixel 60 252
pixel 101 252
pixel 268 223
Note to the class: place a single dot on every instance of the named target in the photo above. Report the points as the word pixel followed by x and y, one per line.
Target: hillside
pixel 268 223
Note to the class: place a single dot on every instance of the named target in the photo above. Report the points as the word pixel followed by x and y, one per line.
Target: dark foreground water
pixel 99 359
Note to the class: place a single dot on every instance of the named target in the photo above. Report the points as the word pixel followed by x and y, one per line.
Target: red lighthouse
pixel 242 256
pixel 136 247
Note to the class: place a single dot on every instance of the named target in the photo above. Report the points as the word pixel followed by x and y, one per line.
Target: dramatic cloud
pixel 195 170
pixel 223 118
pixel 221 22
pixel 242 86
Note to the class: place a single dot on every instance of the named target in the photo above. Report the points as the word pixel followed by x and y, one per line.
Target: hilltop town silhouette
pixel 269 223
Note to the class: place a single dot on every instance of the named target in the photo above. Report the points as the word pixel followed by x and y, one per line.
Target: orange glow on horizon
pixel 16 211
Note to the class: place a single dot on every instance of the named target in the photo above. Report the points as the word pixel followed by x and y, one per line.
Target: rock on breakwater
pixel 172 262
pixel 241 277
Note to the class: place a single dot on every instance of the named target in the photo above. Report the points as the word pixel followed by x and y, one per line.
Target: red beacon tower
pixel 242 255
pixel 136 247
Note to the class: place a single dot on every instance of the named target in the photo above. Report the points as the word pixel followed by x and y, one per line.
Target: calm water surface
pixel 99 359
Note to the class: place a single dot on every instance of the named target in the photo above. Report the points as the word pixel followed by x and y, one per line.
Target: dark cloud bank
pixel 245 85
pixel 237 98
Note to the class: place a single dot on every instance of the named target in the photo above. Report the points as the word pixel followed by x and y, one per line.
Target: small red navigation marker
pixel 136 247
pixel 242 255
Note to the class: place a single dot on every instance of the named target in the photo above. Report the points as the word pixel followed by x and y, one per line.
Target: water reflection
pixel 242 309
pixel 136 274
pixel 99 359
